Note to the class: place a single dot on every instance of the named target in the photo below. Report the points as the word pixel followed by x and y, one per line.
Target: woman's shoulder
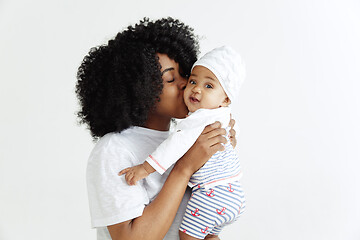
pixel 113 142
pixel 109 156
pixel 128 144
pixel 127 148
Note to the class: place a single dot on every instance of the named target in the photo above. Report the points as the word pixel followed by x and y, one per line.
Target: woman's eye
pixel 170 81
pixel 208 86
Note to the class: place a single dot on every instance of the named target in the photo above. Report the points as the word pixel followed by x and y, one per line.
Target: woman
pixel 129 90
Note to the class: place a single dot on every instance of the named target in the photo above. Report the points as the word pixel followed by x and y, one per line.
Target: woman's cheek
pixel 182 109
pixel 173 100
pixel 179 107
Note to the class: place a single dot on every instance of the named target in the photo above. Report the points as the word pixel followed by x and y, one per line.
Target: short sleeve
pixel 111 199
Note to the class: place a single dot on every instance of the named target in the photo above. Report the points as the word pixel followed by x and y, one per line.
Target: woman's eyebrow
pixel 166 70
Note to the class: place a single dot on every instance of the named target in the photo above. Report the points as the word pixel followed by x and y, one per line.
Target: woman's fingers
pixel 232 132
pixel 217 147
pixel 214 135
pixel 211 127
pixel 216 140
pixel 208 143
pixel 232 122
pixel 215 132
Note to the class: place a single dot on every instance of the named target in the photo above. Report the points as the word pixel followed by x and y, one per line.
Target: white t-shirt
pixel 111 199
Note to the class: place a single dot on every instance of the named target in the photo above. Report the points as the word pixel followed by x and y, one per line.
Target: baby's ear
pixel 226 102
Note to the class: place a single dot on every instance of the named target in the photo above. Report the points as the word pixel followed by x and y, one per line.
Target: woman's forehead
pixel 166 62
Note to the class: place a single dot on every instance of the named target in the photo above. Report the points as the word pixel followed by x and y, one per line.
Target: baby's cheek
pixel 186 93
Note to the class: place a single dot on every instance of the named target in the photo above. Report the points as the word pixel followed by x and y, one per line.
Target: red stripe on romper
pixel 157 163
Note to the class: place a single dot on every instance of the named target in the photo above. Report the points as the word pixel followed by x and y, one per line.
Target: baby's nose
pixel 196 90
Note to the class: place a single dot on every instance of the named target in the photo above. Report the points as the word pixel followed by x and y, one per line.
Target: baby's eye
pixel 208 86
pixel 192 82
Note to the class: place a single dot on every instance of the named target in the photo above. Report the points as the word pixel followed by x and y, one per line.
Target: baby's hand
pixel 134 174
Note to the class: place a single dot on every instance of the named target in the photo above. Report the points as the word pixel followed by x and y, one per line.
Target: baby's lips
pixel 194 99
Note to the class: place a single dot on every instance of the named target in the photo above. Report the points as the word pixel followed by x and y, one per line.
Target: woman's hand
pixel 232 132
pixel 208 143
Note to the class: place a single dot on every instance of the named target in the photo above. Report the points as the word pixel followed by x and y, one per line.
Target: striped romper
pixel 217 197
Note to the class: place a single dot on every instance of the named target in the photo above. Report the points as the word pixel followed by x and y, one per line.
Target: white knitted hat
pixel 228 67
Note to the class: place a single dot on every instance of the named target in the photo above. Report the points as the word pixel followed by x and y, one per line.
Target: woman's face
pixel 171 103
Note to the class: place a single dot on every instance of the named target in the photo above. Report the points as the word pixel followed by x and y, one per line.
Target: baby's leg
pixel 184 236
pixel 199 217
pixel 214 234
pixel 209 210
pixel 212 237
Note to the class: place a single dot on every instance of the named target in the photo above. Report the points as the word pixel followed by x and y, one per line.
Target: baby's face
pixel 204 90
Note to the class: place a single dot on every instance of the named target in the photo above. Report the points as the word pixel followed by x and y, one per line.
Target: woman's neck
pixel 157 122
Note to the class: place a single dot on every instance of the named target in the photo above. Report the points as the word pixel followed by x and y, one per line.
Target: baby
pixel 217 197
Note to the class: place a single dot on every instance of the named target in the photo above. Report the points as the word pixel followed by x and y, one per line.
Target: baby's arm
pixel 187 131
pixel 136 173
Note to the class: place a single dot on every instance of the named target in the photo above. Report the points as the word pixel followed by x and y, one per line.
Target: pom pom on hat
pixel 228 67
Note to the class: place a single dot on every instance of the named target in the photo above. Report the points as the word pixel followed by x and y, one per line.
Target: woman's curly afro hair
pixel 120 82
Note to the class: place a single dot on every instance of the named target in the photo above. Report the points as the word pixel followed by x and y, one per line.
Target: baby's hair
pixel 120 82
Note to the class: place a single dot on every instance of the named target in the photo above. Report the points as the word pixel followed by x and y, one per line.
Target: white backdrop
pixel 299 116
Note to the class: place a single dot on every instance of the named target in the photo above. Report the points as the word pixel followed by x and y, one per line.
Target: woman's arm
pixel 160 213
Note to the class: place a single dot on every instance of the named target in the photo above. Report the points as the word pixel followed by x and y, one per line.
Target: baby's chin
pixel 193 109
pixel 190 108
